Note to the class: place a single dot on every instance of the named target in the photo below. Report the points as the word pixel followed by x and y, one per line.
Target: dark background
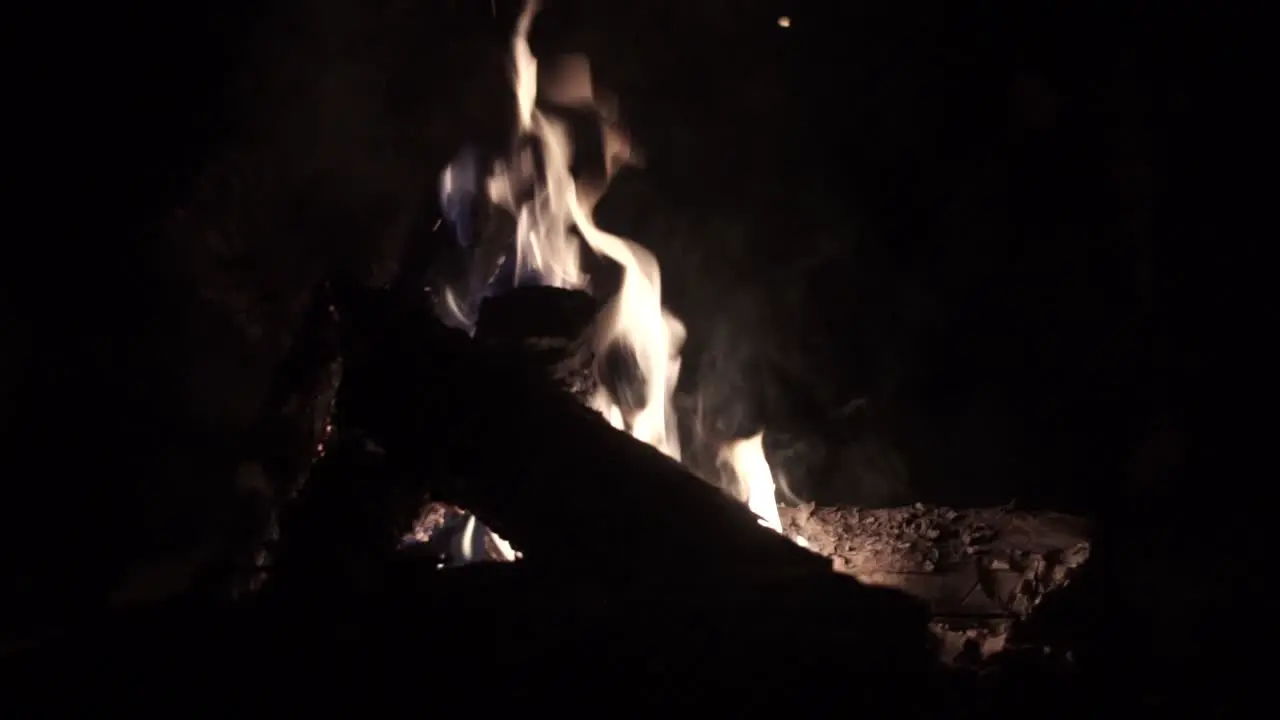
pixel 991 224
pixel 950 214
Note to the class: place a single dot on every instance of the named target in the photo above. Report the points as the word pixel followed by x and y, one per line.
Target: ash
pixel 981 571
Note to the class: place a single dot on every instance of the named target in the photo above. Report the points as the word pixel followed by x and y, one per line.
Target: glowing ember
pixel 552 222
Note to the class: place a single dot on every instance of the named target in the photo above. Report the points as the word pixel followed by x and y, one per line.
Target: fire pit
pixel 622 357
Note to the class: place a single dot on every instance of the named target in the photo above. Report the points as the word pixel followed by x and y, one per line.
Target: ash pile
pixel 983 571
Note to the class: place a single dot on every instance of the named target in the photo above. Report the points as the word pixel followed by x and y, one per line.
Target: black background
pixel 1001 226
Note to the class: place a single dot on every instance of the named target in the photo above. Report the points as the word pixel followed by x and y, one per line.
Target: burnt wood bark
pixel 547 327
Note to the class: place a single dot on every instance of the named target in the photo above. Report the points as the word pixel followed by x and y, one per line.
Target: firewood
pixel 533 463
pixel 1016 557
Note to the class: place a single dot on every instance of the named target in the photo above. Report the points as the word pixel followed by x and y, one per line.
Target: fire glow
pixel 552 223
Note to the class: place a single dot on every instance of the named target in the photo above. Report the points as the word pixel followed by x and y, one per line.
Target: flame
pixel 747 461
pixel 551 227
pixel 554 218
pixel 469 546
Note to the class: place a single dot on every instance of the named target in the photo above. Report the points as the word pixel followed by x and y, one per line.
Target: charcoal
pixel 546 327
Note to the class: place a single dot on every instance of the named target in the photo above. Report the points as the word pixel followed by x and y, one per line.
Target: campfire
pixel 620 355
pixel 553 212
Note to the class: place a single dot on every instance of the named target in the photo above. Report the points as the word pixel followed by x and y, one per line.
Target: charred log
pixel 986 574
pixel 541 469
pixel 278 451
pixel 535 316
pixel 546 327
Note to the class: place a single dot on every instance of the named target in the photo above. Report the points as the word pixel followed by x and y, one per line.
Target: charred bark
pixel 984 573
pixel 340 533
pixel 546 327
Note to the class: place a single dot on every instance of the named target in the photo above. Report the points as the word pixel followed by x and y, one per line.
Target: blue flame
pixel 458 189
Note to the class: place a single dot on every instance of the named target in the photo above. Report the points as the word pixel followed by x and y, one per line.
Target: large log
pixel 534 464
pixel 516 627
pixel 982 572
pixel 983 561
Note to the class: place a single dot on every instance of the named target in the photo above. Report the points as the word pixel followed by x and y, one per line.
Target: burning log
pixel 536 316
pixel 531 461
